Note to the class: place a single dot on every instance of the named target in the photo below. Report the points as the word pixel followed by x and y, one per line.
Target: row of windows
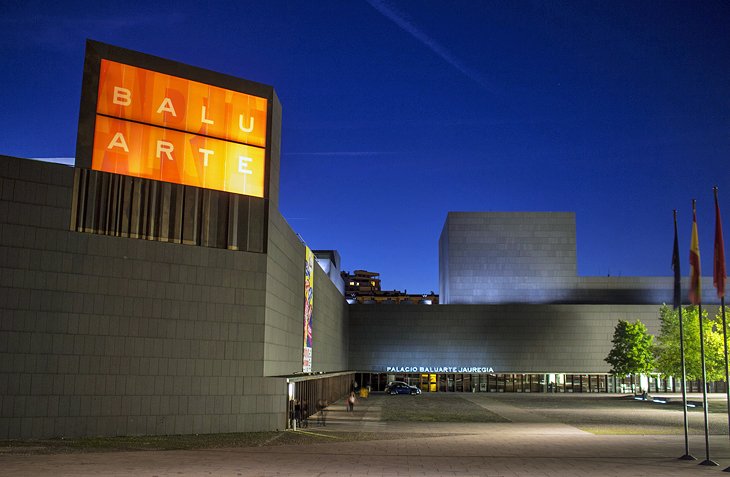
pixel 528 383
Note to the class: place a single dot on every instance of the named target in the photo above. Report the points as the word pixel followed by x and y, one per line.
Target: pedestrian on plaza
pixel 292 416
pixel 351 402
pixel 322 410
pixel 305 413
pixel 298 413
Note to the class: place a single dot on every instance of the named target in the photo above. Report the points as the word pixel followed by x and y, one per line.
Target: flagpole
pixel 678 305
pixel 719 276
pixel 707 460
pixel 687 455
pixel 727 380
pixel 696 298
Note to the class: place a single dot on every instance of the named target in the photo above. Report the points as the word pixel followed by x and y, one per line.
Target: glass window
pixel 501 382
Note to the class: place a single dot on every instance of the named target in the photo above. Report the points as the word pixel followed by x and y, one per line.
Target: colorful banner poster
pixel 308 310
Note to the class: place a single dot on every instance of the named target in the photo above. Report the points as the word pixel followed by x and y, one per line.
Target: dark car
pixel 393 383
pixel 402 388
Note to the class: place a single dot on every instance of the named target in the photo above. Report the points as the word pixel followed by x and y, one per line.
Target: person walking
pixel 351 402
pixel 322 410
pixel 298 413
pixel 305 413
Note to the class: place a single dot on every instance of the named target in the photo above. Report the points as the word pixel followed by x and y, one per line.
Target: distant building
pixel 329 260
pixel 361 282
pixel 489 258
pixel 363 286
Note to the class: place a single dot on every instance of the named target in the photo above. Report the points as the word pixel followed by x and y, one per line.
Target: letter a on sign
pixel 167 106
pixel 118 141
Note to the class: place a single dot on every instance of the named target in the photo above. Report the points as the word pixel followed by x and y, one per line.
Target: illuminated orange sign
pixel 162 127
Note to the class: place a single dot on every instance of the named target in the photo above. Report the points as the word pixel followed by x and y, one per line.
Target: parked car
pixel 401 388
pixel 392 383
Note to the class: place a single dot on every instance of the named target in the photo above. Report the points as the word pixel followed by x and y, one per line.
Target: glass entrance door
pixel 428 383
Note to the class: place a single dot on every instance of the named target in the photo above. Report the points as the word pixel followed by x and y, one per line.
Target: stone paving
pixel 528 445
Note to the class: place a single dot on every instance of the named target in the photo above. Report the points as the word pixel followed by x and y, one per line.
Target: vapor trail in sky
pixel 406 25
pixel 340 153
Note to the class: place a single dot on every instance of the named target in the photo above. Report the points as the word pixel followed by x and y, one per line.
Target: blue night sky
pixel 396 112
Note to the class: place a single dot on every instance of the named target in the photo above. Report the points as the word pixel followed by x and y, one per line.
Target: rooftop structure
pixel 530 257
pixel 363 286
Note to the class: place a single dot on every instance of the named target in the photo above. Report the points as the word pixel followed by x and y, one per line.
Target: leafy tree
pixel 632 351
pixel 667 346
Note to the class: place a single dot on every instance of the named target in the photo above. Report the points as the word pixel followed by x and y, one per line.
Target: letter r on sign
pixel 164 147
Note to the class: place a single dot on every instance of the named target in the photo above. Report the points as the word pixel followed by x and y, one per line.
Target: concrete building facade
pixel 530 257
pixel 507 257
pixel 105 335
pixel 519 338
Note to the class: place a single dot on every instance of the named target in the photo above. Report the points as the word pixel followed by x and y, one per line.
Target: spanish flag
pixel 694 261
pixel 719 273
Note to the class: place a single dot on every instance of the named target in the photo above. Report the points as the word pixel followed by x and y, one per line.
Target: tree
pixel 667 346
pixel 632 351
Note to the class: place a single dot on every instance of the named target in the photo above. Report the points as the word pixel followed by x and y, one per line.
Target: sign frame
pixel 96 51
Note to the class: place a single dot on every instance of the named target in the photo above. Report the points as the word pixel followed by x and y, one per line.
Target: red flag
pixel 695 295
pixel 719 273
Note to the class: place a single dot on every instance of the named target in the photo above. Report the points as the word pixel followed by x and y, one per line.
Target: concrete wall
pixel 507 257
pixel 508 338
pixel 104 335
pixel 331 330
pixel 530 257
pixel 112 336
pixel 285 309
pixel 637 290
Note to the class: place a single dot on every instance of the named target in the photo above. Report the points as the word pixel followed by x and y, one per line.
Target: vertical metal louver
pixel 125 206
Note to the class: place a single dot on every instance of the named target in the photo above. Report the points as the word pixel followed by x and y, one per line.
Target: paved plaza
pixel 530 440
